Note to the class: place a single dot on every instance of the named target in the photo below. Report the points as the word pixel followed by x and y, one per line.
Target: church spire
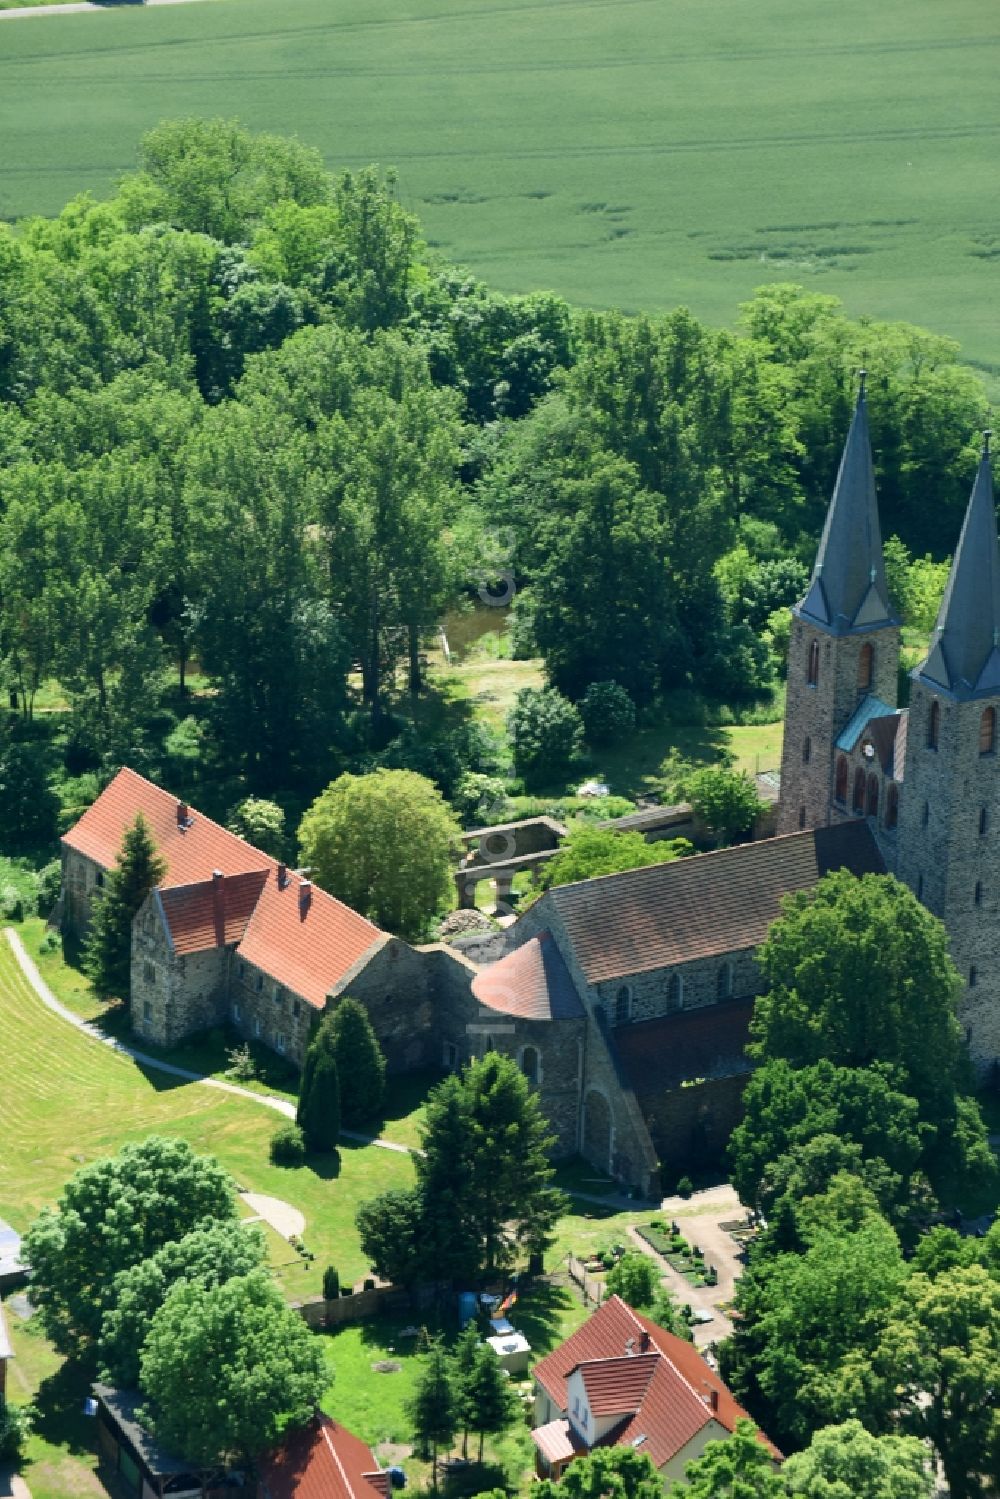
pixel 848 588
pixel 964 658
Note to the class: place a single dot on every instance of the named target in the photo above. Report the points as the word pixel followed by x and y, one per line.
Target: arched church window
pixel 623 1005
pixel 866 666
pixel 977 894
pixel 724 982
pixel 812 674
pixel 840 791
pixel 892 805
pixel 984 822
pixel 925 815
pixel 973 975
pixel 529 1063
pixel 675 991
pixel 934 725
pixel 802 817
pixel 873 796
pixel 807 747
pixel 988 732
pixel 858 800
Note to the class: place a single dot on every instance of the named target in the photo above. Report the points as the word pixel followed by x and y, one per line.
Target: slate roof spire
pixel 848 589
pixel 964 656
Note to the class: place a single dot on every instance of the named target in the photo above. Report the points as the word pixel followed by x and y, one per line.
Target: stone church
pixel 625 999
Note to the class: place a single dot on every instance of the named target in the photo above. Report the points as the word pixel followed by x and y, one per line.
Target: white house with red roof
pixel 621 1381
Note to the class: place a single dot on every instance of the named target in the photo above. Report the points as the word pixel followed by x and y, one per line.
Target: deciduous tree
pixel 848 1460
pixel 384 844
pixel 111 1215
pixel 228 1368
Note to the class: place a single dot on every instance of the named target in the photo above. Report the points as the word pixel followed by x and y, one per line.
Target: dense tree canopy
pixel 383 843
pixel 226 1368
pixel 111 1215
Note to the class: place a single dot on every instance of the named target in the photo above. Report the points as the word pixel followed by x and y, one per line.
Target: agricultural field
pixel 639 153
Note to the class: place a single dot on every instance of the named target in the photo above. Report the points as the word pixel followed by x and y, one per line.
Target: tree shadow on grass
pixel 325 1164
pixel 60 1420
pixel 538 1313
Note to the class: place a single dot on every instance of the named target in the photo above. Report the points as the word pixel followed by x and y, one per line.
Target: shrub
pixel 685 1187
pixel 545 733
pixel 521 624
pixel 288 1146
pixel 608 713
pixel 331 1283
pixel 49 886
pixel 241 1063
pixel 480 799
pixel 11 903
pixel 15 1428
pixel 634 1278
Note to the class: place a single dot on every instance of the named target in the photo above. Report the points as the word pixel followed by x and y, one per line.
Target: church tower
pixel 949 824
pixel 844 645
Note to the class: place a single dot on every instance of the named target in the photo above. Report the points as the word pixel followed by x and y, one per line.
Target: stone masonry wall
pixel 944 859
pixel 819 713
pixel 649 994
pixel 173 996
pixel 261 1009
pixel 394 988
pixel 81 879
pixel 691 1126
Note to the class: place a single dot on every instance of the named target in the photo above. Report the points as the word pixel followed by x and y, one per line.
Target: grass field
pixel 637 153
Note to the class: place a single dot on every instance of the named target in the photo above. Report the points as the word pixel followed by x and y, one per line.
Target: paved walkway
pixel 68 10
pixel 283 1218
pixel 89 1028
pixel 700 1218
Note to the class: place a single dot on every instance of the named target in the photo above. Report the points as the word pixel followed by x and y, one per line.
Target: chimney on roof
pixel 218 907
pixel 629 1347
pixel 305 897
pixel 644 1341
pixel 183 816
pixel 282 876
pixel 713 1399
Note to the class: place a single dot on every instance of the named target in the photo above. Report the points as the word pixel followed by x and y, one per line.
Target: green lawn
pixel 639 153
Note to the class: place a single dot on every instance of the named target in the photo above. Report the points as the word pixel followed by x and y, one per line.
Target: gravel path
pixel 700 1218
pixel 266 1100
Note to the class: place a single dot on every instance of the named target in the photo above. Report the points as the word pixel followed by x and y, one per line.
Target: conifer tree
pixel 360 1063
pixel 492 1403
pixel 139 868
pixel 463 1362
pixel 433 1409
pixel 318 1112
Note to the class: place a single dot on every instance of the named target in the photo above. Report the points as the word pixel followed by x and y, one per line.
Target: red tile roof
pixel 191 851
pixel 672 1401
pixel 666 914
pixel 322 1461
pixel 212 913
pixel 531 982
pixel 308 945
pixel 615 1386
pixel 557 1441
pixel 305 938
pixel 707 1042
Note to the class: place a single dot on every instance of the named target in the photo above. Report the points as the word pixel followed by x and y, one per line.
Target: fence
pixel 592 1288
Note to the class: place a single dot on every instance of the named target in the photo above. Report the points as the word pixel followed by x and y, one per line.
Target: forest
pixel 257 438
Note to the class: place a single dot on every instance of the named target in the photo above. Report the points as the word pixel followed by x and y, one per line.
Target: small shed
pixel 143 1468
pixel 513 1350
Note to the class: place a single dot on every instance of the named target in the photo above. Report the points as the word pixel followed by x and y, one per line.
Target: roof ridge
pixel 688 859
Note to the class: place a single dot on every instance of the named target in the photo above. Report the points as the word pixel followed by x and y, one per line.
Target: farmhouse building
pixel 621 1381
pixel 626 999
